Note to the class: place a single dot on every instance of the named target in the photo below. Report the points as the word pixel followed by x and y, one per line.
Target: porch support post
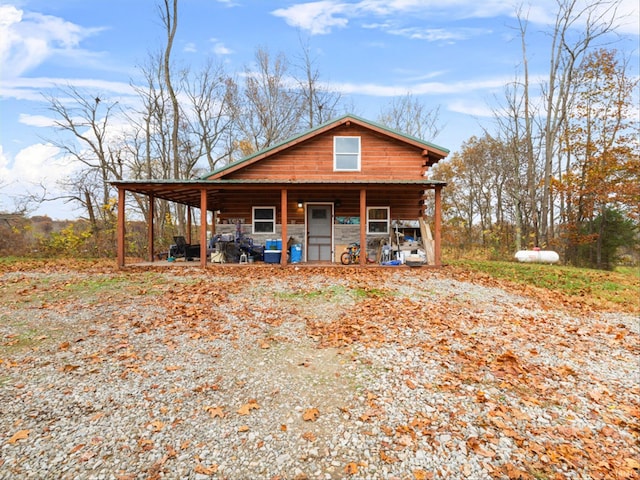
pixel 189 225
pixel 203 227
pixel 284 220
pixel 120 228
pixel 150 238
pixel 437 226
pixel 363 226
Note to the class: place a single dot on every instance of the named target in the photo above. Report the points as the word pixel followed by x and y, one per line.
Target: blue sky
pixel 453 54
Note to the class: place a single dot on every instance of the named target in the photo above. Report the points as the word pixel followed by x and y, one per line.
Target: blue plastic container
pixel 272 256
pixel 296 253
pixel 273 244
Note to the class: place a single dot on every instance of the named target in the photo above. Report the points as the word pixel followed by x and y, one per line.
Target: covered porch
pixel 322 217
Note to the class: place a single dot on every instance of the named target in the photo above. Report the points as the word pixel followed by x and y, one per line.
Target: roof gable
pixel 432 152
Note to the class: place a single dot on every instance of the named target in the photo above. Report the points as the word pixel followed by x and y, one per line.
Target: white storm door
pixel 319 228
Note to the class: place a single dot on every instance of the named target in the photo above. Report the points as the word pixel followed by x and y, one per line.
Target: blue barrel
pixel 296 253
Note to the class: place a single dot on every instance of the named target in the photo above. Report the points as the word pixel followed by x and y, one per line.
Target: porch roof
pixel 187 192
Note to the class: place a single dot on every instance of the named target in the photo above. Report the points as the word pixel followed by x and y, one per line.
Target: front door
pixel 319 228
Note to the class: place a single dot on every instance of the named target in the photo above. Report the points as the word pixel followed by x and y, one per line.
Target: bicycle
pixel 352 255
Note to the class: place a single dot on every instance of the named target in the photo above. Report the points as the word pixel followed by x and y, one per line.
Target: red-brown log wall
pixel 382 158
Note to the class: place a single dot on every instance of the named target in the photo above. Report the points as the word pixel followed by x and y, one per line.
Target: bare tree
pixel 407 114
pixel 212 95
pixel 319 103
pixel 169 16
pixel 83 120
pixel 270 108
pixel 577 26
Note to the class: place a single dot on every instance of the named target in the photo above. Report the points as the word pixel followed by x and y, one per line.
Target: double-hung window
pixel 264 219
pixel 346 154
pixel 378 220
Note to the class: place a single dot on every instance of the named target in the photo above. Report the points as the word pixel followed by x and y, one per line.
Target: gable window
pixel 264 219
pixel 346 154
pixel 378 220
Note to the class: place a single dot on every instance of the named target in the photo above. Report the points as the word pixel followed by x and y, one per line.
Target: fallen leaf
pixel 243 428
pixel 514 473
pixel 309 436
pixel 88 455
pixel 76 448
pixel 411 385
pixel 20 435
pixel 473 444
pixel 632 463
pixel 202 470
pixel 311 415
pixel 246 408
pixel 145 444
pixel 214 412
pixel 126 476
pixel 171 452
pixel 595 395
pixel 387 458
pixel 351 468
pixel 157 425
pixel 422 475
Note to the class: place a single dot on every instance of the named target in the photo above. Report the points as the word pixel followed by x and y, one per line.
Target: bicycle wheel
pixel 345 258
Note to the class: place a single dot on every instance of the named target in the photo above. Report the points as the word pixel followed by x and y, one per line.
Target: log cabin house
pixel 348 180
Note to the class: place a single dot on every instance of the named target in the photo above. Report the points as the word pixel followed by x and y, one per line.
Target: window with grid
pixel 264 219
pixel 378 220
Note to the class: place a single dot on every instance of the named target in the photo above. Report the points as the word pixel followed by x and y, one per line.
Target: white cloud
pixel 190 48
pixel 34 166
pixel 40 163
pixel 28 39
pixel 471 107
pixel 219 48
pixel 424 88
pixel 315 17
pixel 437 34
pixel 28 88
pixel 36 120
pixel 320 17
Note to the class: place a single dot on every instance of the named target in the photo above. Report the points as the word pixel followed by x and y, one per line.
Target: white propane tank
pixel 537 256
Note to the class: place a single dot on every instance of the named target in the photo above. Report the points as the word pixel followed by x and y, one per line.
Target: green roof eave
pixel 253 181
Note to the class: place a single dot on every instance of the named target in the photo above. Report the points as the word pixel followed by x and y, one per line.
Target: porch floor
pixel 196 263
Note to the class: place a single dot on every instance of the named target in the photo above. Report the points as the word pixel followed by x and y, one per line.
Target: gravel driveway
pixel 309 373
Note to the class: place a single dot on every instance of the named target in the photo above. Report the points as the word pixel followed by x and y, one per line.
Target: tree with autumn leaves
pixel 562 173
pixel 600 184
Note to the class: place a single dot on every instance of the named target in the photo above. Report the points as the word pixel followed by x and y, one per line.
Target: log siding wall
pixel 382 158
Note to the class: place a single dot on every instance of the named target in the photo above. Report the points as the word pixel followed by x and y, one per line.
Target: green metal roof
pixel 310 132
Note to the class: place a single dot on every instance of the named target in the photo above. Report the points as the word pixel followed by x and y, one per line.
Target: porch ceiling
pixel 187 192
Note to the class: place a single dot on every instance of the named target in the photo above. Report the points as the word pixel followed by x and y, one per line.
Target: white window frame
pixel 357 154
pixel 386 222
pixel 261 220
